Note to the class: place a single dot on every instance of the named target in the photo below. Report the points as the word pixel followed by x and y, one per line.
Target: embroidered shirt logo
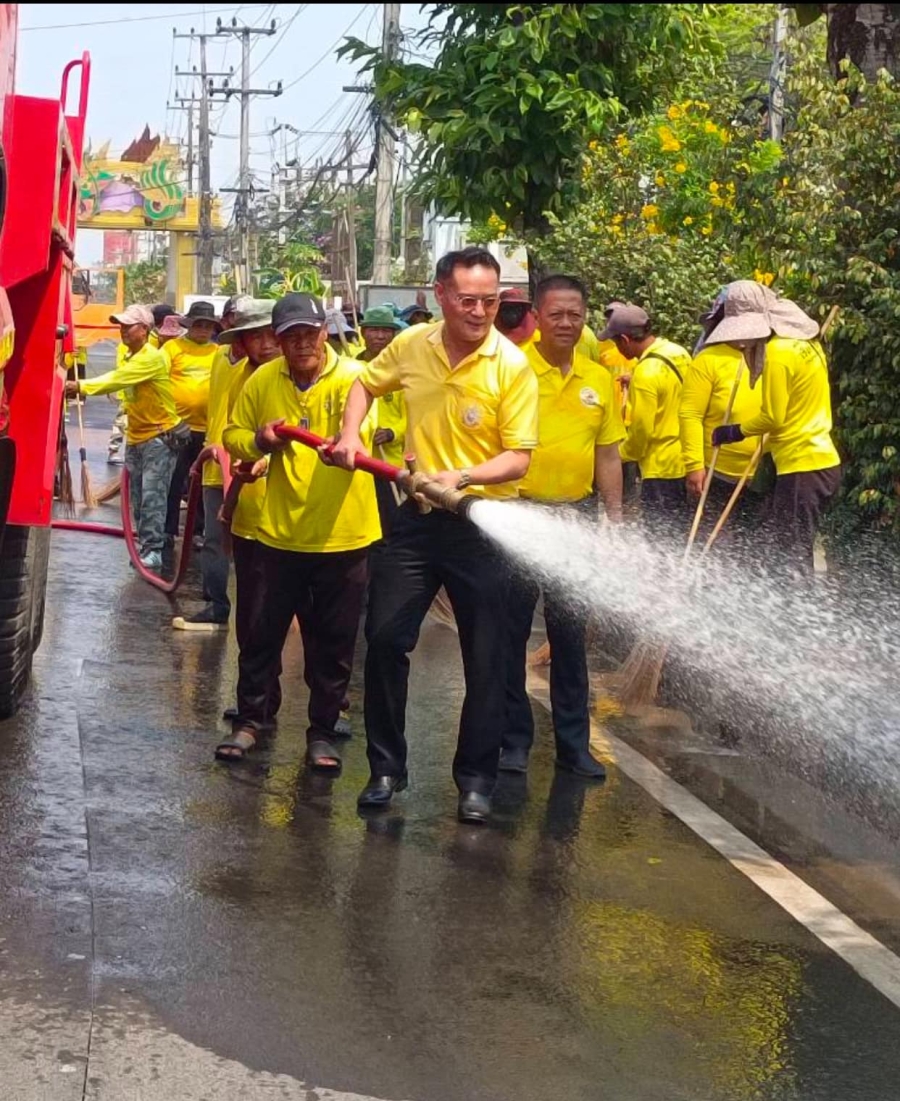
pixel 471 416
pixel 589 396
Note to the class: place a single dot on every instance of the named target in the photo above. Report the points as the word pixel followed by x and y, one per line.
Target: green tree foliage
pixel 662 212
pixel 515 90
pixel 831 234
pixel 145 281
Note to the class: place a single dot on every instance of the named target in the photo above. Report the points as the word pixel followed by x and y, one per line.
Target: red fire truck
pixel 40 162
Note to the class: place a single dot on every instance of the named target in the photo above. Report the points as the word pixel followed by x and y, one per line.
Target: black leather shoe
pixel 379 791
pixel 474 807
pixel 513 760
pixel 587 767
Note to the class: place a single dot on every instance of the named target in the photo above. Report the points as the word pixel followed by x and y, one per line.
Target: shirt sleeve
pixel 611 429
pixel 239 436
pixel 774 382
pixel 517 414
pixel 695 398
pixel 642 405
pixel 135 369
pixel 382 374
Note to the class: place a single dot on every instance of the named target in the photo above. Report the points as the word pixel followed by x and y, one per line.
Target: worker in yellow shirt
pixel 653 437
pixel 191 358
pixel 155 433
pixel 313 534
pixel 708 386
pixel 250 331
pixel 780 344
pixel 379 326
pixel 515 317
pixel 471 407
pixel 580 429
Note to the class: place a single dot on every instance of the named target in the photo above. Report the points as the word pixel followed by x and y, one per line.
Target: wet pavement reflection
pixel 586 945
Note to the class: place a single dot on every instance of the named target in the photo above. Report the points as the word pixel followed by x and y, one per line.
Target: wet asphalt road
pixel 174 928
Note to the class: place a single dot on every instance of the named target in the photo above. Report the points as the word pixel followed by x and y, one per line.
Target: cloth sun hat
pixel 338 323
pixel 200 311
pixel 298 309
pixel 171 326
pixel 623 319
pixel 409 312
pixel 134 315
pixel 249 314
pixel 380 317
pixel 751 311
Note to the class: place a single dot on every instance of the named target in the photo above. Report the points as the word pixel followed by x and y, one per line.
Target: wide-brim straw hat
pixel 752 311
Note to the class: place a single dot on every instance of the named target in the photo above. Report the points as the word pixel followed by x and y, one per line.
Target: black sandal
pixel 322 756
pixel 237 746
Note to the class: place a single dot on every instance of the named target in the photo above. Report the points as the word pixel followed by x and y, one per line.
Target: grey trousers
pixel 150 466
pixel 213 561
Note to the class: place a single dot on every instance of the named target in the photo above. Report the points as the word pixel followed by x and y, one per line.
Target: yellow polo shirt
pixel 308 506
pixel 144 381
pixel 190 367
pixel 248 510
pixel 578 412
pixel 654 432
pixel 223 374
pixel 796 407
pixel 391 413
pixel 708 383
pixel 459 417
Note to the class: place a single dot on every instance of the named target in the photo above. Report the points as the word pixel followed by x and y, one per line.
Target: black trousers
pixel 569 685
pixel 248 589
pixel 793 522
pixel 387 505
pixel 664 510
pixel 178 486
pixel 422 554
pixel 325 592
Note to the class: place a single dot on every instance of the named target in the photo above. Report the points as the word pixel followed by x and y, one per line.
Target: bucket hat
pixel 200 311
pixel 380 317
pixel 171 326
pixel 752 311
pixel 249 314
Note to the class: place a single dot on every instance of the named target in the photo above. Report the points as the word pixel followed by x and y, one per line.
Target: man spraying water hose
pixel 471 401
pixel 577 454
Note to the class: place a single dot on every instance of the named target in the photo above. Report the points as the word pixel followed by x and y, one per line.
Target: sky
pixel 132 81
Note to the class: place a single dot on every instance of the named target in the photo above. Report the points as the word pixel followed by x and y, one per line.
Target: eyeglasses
pixel 468 302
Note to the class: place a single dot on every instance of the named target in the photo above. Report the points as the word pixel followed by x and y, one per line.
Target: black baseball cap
pixel 297 309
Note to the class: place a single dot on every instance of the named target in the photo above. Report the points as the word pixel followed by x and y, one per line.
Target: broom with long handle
pixel 642 668
pixel 87 493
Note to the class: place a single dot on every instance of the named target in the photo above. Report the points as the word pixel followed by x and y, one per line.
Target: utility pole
pixel 777 75
pixel 350 274
pixel 205 247
pixel 384 178
pixel 245 188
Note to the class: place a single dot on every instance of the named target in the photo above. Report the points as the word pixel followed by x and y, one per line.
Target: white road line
pixel 867 956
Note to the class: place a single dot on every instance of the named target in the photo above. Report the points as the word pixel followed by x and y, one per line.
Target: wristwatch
pixel 465 479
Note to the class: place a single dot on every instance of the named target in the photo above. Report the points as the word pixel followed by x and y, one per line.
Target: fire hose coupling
pixel 437 495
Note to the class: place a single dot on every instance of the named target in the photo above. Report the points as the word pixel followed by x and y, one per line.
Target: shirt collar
pixel 542 367
pixel 488 346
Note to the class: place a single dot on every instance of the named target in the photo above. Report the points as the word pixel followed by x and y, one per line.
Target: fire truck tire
pixel 22 583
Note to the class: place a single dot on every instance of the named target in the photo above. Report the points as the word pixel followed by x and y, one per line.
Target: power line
pixel 330 49
pixel 300 9
pixel 136 19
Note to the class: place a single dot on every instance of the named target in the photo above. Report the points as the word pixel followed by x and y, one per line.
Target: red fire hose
pixel 365 463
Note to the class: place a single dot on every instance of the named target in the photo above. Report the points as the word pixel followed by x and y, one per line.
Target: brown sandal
pixel 237 746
